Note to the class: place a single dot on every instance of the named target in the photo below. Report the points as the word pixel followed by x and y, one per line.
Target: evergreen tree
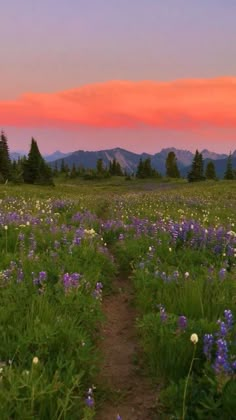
pixel 119 171
pixel 66 170
pixel 17 172
pixel 147 168
pixel 55 170
pixel 99 167
pixel 36 171
pixel 115 168
pixel 73 173
pixel 110 168
pixel 210 170
pixel 172 169
pixel 140 169
pixel 5 162
pixel 229 173
pixel 62 168
pixel 197 170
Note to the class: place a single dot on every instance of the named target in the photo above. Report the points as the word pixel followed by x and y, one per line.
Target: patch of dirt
pixel 134 396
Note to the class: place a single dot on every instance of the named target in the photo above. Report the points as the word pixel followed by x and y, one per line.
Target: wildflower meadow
pixel 61 249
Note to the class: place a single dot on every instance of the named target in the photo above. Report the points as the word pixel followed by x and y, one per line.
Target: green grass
pixel 60 326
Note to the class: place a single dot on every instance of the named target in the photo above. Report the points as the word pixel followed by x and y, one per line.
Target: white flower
pixel 231 233
pixel 6 227
pixel 186 275
pixel 35 360
pixel 194 338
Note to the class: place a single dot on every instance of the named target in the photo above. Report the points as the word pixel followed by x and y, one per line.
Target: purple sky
pixel 56 45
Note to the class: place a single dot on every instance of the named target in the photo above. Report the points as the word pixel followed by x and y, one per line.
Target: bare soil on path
pixel 131 394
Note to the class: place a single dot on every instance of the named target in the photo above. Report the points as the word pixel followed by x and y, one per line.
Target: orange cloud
pixel 178 105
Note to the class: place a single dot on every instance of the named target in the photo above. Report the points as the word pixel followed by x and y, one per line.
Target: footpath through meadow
pixel 131 394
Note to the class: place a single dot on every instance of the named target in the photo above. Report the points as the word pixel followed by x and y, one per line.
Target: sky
pixel 138 74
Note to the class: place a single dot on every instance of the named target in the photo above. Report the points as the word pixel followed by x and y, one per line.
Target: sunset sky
pixel 138 74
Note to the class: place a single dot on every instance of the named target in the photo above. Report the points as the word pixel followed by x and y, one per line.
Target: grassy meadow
pixel 61 247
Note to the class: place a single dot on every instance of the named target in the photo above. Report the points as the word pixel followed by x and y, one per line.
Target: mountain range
pixel 49 158
pixel 129 160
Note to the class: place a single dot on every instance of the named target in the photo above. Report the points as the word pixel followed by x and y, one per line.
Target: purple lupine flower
pixel 175 274
pixel 36 281
pixel 182 322
pixel 21 236
pixel 208 341
pixel 223 330
pixel 31 253
pixel 222 273
pixel 66 280
pixel 228 318
pixel 221 363
pixel 42 276
pixel 89 401
pixel 77 240
pixel 163 314
pixel 97 293
pixel 20 275
pixel 71 280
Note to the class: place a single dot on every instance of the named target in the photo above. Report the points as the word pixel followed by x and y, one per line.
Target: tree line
pixel 34 170
pixel 146 170
pixel 197 172
pixel 31 169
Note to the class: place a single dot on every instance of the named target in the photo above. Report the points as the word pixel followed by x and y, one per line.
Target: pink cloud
pixel 197 104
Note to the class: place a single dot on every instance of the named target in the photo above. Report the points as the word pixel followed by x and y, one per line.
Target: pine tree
pixel 229 174
pixel 119 171
pixel 172 169
pixel 36 171
pixel 210 170
pixel 62 169
pixel 147 168
pixel 197 170
pixel 73 173
pixel 140 169
pixel 99 167
pixel 110 168
pixel 5 161
pixel 113 167
pixel 55 169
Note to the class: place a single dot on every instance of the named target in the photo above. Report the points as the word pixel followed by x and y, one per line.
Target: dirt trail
pixel 134 396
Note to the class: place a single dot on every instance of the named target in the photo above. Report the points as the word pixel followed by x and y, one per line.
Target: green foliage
pixel 210 171
pixel 36 171
pixel 197 170
pixel 5 163
pixel 99 167
pixel 229 173
pixel 145 170
pixel 172 169
pixel 61 327
pixel 115 168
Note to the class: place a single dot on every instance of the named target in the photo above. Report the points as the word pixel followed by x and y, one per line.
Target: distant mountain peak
pixel 212 155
